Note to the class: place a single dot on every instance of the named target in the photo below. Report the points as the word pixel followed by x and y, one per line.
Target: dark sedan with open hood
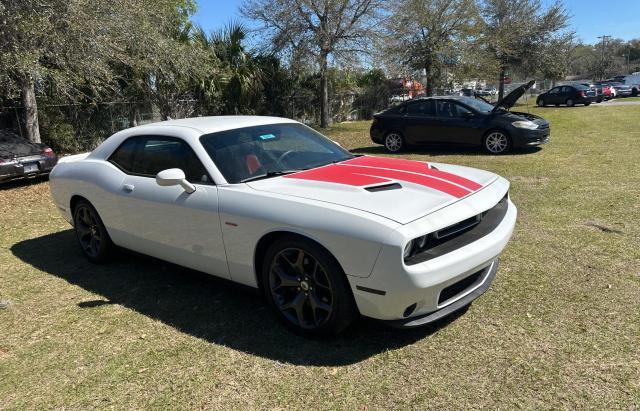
pixel 462 121
pixel 20 158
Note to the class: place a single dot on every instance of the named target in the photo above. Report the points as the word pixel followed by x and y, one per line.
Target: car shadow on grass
pixel 206 307
pixel 437 150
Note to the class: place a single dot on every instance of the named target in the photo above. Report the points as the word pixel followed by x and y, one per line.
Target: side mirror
pixel 174 177
pixel 468 114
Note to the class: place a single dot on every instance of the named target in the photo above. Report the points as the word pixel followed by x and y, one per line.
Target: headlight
pixel 529 125
pixel 408 250
pixel 415 246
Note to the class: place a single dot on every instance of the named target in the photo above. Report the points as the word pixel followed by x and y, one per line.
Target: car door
pixel 421 124
pixel 167 222
pixel 553 96
pixel 459 124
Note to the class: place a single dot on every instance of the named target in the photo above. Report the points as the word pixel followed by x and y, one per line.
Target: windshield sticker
pixel 267 136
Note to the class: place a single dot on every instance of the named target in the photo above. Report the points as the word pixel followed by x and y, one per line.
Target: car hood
pixel 400 190
pixel 510 99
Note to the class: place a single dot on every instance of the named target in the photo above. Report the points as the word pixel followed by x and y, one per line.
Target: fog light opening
pixel 409 310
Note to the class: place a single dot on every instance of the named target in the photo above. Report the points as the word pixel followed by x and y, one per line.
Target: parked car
pixel 20 158
pixel 621 90
pixel 459 120
pixel 598 91
pixel 272 204
pixel 570 95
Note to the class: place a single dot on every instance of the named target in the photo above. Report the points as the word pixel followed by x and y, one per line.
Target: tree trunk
pixel 428 87
pixel 501 84
pixel 30 109
pixel 325 117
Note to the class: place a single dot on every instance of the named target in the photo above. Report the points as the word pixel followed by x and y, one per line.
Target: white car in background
pixel 272 204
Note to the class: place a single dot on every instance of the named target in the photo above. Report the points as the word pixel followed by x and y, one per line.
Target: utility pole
pixel 604 39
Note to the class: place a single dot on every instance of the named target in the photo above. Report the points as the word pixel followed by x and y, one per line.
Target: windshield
pixel 264 151
pixel 477 105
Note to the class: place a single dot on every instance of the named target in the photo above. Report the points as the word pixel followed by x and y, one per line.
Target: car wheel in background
pixel 307 288
pixel 394 142
pixel 570 102
pixel 91 233
pixel 496 142
pixel 540 102
pixel 588 103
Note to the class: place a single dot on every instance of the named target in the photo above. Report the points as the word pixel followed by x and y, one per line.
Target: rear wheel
pixel 91 233
pixel 587 103
pixel 394 142
pixel 306 288
pixel 570 102
pixel 496 142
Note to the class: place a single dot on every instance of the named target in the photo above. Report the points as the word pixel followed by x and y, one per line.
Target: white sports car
pixel 271 203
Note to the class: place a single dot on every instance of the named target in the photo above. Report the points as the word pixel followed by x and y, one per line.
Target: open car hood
pixel 397 189
pixel 510 99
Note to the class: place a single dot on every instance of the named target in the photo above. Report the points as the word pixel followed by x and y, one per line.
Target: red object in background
pixel 48 152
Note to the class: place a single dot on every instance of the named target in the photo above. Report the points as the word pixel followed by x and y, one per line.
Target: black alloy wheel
pixel 91 233
pixel 307 288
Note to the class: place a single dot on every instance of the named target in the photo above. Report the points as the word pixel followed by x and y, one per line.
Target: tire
pixel 91 233
pixel 587 104
pixel 540 102
pixel 570 102
pixel 394 142
pixel 496 142
pixel 306 288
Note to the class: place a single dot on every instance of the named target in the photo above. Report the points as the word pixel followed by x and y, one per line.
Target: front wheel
pixel 570 102
pixel 540 102
pixel 496 142
pixel 394 142
pixel 306 288
pixel 91 233
pixel 587 103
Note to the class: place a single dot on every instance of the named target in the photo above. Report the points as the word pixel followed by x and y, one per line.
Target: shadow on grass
pixel 215 310
pixel 442 150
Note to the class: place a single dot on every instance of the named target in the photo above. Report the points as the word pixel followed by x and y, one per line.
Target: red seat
pixel 253 164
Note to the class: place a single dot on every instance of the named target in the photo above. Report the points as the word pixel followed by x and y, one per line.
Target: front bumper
pixel 475 290
pixel 411 295
pixel 527 138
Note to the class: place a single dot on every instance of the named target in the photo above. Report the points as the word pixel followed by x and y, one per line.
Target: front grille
pixel 460 234
pixel 459 287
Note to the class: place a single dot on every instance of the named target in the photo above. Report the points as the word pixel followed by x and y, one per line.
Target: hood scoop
pixel 383 187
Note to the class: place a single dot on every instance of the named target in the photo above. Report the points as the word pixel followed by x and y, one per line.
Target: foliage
pixel 517 33
pixel 322 29
pixel 428 35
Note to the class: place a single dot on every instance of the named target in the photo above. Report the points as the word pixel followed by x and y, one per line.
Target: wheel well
pixel 506 133
pixel 74 201
pixel 270 238
pixel 394 130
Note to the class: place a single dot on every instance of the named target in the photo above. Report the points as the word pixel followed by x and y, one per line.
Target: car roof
pixel 213 124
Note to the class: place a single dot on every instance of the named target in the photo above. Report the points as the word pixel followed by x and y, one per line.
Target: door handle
pixel 128 188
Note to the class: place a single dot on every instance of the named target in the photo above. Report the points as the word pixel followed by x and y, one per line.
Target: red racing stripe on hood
pixel 356 173
pixel 414 167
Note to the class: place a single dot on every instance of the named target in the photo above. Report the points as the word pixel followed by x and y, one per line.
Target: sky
pixel 590 18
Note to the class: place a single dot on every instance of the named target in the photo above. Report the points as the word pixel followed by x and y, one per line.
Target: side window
pixel 461 111
pixel 147 156
pixel 421 108
pixel 123 156
pixel 566 89
pixel 445 109
pixel 554 90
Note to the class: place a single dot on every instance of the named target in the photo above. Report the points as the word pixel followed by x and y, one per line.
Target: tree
pixel 328 30
pixel 83 49
pixel 517 32
pixel 428 34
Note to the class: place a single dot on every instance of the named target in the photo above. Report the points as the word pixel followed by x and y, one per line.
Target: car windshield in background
pixel 252 153
pixel 477 105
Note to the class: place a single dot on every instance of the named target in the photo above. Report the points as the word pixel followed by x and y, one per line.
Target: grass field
pixel 559 329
